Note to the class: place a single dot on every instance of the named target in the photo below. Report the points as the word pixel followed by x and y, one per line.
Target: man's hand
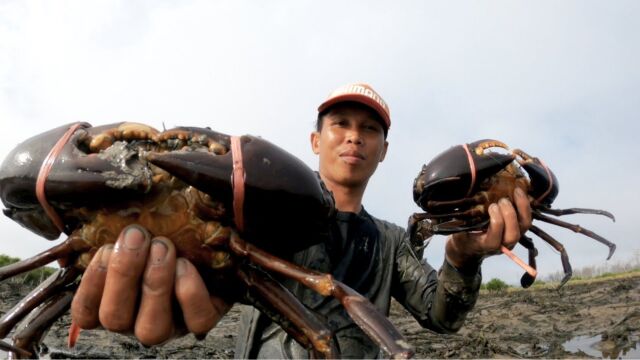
pixel 138 267
pixel 506 225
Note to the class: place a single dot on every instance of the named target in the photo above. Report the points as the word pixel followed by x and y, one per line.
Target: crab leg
pixel 455 226
pixel 560 212
pixel 558 246
pixel 365 315
pixel 59 251
pixel 527 279
pixel 31 331
pixel 37 296
pixel 576 228
pixel 10 348
pixel 446 206
pixel 419 229
pixel 293 316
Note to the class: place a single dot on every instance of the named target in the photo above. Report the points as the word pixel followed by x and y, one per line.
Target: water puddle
pixel 597 347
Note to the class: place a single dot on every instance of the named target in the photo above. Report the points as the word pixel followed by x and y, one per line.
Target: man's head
pixel 350 138
pixel 359 93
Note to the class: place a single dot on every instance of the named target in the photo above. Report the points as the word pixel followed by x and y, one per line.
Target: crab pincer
pixel 236 206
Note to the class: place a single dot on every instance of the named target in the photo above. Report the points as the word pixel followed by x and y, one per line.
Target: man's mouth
pixel 352 157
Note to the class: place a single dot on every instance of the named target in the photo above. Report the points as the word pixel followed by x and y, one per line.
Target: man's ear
pixel 384 151
pixel 315 142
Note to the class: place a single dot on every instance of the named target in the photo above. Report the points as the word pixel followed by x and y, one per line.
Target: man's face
pixel 350 145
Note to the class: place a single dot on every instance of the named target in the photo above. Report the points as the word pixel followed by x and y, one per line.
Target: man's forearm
pixel 455 296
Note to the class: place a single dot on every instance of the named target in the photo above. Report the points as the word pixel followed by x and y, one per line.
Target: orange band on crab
pixel 530 270
pixel 45 169
pixel 237 179
pixel 472 166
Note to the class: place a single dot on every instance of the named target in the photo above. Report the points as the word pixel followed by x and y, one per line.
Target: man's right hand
pixel 138 267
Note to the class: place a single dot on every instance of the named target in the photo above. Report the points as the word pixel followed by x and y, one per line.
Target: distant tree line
pixel 589 272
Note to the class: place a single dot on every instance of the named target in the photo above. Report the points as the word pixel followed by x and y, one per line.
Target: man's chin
pixel 355 179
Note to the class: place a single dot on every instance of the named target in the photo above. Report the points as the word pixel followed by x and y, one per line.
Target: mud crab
pixel 220 199
pixel 457 186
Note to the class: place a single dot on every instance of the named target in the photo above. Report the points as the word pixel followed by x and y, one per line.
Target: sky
pixel 558 79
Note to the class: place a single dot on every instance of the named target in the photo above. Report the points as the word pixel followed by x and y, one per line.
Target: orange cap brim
pixel 362 99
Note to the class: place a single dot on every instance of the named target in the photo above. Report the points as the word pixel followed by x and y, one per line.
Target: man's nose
pixel 354 136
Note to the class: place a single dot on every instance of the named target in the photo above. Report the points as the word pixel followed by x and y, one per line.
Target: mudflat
pixel 597 318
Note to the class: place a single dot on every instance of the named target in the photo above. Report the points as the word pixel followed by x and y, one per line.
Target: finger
pixel 493 238
pixel 511 225
pixel 201 312
pixel 220 308
pixel 124 274
pixel 523 206
pixel 86 301
pixel 154 324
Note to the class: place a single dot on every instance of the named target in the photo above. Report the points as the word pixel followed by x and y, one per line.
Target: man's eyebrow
pixel 338 111
pixel 338 115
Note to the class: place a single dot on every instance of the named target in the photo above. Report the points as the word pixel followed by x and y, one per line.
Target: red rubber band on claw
pixel 472 166
pixel 43 174
pixel 237 181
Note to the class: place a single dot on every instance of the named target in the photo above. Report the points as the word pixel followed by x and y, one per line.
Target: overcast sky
pixel 558 79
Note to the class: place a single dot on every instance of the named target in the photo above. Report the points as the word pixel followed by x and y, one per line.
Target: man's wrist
pixel 468 268
pixel 462 261
pixel 456 281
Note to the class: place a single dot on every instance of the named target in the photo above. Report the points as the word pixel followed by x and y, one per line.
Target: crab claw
pixel 74 172
pixel 277 186
pixel 544 184
pixel 18 176
pixel 456 172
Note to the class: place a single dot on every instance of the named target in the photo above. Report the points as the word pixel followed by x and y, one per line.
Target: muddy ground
pixel 590 319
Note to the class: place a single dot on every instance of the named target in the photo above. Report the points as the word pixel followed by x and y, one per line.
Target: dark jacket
pixel 375 258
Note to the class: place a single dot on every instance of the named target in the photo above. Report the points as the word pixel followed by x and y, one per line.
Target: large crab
pixel 223 201
pixel 457 186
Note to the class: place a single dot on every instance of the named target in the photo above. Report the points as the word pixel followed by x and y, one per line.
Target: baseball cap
pixel 361 93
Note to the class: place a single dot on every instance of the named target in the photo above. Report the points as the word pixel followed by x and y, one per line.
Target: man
pixel 372 256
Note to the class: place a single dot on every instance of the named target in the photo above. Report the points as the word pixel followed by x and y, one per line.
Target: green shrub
pixel 6 260
pixel 496 285
pixel 539 283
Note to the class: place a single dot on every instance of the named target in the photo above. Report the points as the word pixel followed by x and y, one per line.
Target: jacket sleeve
pixel 438 300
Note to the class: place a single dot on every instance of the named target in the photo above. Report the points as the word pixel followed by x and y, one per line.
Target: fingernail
pixel 493 208
pixel 158 252
pixel 134 238
pixel 504 201
pixel 519 192
pixel 181 267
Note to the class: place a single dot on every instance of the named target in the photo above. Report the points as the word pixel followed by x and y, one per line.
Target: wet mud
pixel 594 319
pixel 599 319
